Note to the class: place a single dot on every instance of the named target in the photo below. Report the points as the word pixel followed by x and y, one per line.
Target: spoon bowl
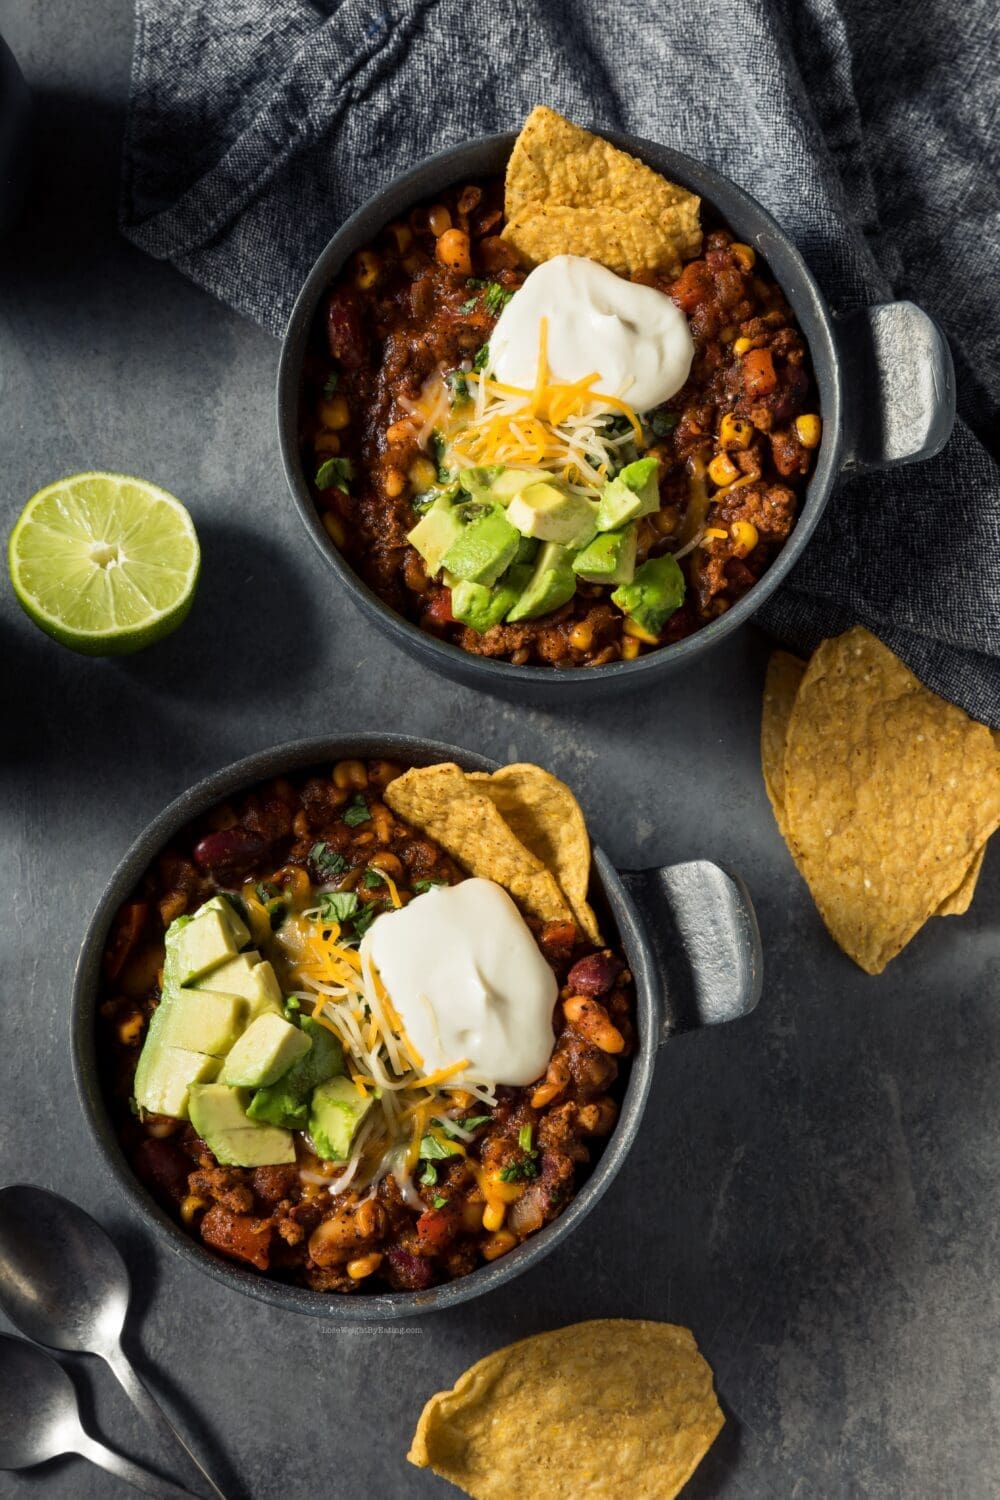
pixel 38 1409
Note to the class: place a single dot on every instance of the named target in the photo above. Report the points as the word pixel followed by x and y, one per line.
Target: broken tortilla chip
pixel 889 795
pixel 542 812
pixel 570 192
pixel 445 804
pixel 609 1408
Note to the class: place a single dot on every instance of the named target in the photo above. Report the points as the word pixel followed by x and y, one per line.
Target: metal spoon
pixel 40 1419
pixel 64 1284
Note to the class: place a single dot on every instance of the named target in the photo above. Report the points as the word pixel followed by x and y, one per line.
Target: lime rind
pixel 104 563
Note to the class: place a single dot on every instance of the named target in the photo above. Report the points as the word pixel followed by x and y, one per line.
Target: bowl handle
pixel 701 926
pixel 899 385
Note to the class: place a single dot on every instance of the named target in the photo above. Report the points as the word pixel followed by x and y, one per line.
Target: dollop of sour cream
pixel 468 980
pixel 634 337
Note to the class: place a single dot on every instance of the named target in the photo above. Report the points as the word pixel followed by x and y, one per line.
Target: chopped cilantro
pixel 438 449
pixel 520 1171
pixel 474 1120
pixel 277 911
pixel 459 387
pixel 372 879
pixel 424 501
pixel 364 917
pixel 431 1149
pixel 476 282
pixel 429 1175
pixel 265 891
pixel 467 307
pixel 332 381
pixel 427 885
pixel 334 474
pixel 292 1008
pixel 496 298
pixel 326 860
pixel 482 358
pixel 660 421
pixel 524 1137
pixel 438 1201
pixel 337 906
pixel 357 811
pixel 239 906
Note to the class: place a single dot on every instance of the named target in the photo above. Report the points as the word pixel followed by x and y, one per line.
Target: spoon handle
pixel 154 1414
pixel 124 1468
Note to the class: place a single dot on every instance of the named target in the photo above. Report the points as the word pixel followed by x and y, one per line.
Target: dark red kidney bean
pixel 126 933
pixel 412 1273
pixel 163 1168
pixel 594 975
pixel 345 330
pixel 438 610
pixel 229 851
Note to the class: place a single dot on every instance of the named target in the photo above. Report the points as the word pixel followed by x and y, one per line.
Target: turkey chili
pixel 263 996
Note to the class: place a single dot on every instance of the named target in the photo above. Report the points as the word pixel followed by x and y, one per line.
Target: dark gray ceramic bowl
pixel 885 377
pixel 688 932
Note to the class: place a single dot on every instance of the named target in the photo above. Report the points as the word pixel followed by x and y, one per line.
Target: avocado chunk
pixel 481 608
pixel 268 1048
pixel 655 592
pixel 436 531
pixel 253 978
pixel 477 482
pixel 487 546
pixel 162 1085
pixel 219 1115
pixel 227 911
pixel 195 948
pixel 203 1021
pixel 552 582
pixel 287 1101
pixel 553 515
pixel 634 492
pixel 609 558
pixel 335 1112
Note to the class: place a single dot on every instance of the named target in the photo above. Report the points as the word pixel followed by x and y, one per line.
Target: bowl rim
pixel 242 775
pixel 738 209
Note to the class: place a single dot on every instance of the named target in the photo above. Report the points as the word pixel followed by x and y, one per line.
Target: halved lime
pixel 105 564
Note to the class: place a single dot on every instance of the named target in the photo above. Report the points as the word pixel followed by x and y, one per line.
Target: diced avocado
pixel 226 910
pixel 481 608
pixel 165 1074
pixel 609 558
pixel 486 547
pixel 250 977
pixel 196 948
pixel 497 483
pixel 335 1112
pixel 552 582
pixel 219 1116
pixel 527 551
pixel 266 1050
pixel 170 980
pixel 203 1021
pixel 655 592
pixel 553 515
pixel 436 531
pixel 476 482
pixel 634 492
pixel 287 1101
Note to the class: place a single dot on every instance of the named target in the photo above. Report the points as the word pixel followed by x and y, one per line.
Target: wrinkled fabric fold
pixel 257 126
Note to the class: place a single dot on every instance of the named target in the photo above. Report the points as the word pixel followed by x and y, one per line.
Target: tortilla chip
pixel 569 192
pixel 542 812
pixel 889 792
pixel 958 903
pixel 604 1409
pixel 784 673
pixel 442 802
pixel 624 242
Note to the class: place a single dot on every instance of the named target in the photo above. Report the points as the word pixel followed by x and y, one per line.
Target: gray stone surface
pixel 815 1188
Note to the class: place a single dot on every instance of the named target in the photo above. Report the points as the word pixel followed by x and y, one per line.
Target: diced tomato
pixel 558 939
pixel 126 933
pixel 237 1235
pixel 438 611
pixel 693 286
pixel 436 1228
pixel 759 377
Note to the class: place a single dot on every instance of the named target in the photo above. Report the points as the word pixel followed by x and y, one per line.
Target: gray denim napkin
pixel 869 128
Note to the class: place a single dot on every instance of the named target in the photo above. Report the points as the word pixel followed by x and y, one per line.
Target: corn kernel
pixel 438 220
pixel 493 1216
pixel 422 473
pixel 394 483
pixel 334 528
pixel 400 432
pixel 665 520
pixel 363 1266
pixel 498 1244
pixel 630 649
pixel 745 255
pixel 581 637
pixel 129 1030
pixel 334 413
pixel 367 269
pixel 640 633
pixel 722 470
pixel 717 532
pixel 742 345
pixel 326 442
pixel 734 432
pixel 745 536
pixel 190 1206
pixel 808 430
